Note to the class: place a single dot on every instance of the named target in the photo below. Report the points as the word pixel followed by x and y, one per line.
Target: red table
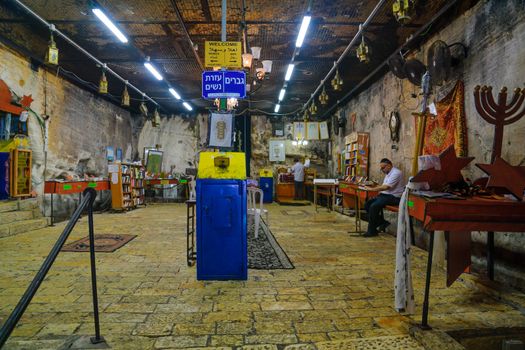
pixel 458 218
pixel 72 187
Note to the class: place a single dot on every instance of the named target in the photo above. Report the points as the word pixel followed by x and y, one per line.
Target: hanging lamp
pixel 363 51
pixel 52 50
pixel 323 97
pixel 125 96
pixel 103 83
pixel 337 82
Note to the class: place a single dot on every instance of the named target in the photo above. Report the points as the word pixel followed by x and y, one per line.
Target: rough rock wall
pixel 494 32
pixel 180 137
pixel 81 126
pixel 262 131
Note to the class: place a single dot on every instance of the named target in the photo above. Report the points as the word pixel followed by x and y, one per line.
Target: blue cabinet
pixel 266 184
pixel 221 230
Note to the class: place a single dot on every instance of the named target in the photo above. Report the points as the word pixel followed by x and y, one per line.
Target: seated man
pixel 391 191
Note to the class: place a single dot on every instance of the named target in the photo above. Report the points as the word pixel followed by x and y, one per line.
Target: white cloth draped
pixel 404 293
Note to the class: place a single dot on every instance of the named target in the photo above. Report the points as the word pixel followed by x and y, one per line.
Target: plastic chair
pixel 256 210
pixel 192 189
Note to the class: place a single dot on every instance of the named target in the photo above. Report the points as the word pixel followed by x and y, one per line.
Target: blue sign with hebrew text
pixel 223 84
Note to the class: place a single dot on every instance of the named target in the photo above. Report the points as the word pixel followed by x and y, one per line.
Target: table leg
pixel 52 212
pixel 357 207
pixel 315 197
pixel 424 318
pixel 333 198
pixel 490 255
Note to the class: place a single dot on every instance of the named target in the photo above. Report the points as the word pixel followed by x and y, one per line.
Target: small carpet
pixel 103 243
pixel 293 212
pixel 264 253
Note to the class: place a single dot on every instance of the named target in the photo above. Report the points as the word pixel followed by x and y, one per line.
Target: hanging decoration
pixel 313 108
pixel 52 50
pixel 125 96
pixel 337 82
pixel 363 51
pixel 402 10
pixel 155 121
pixel 323 97
pixel 103 83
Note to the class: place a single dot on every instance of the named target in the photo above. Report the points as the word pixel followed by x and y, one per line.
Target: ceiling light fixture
pixel 302 31
pixel 256 52
pixel 289 72
pixel 175 93
pixel 281 94
pixel 102 16
pixel 187 105
pixel 267 65
pixel 152 69
pixel 276 109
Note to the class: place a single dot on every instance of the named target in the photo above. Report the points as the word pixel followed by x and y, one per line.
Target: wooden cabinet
pixel 356 154
pixel 20 173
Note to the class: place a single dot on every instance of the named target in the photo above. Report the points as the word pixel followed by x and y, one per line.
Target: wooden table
pixel 327 189
pixel 72 187
pixel 458 218
pixel 360 196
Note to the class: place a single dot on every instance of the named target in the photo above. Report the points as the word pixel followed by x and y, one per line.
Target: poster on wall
pixel 323 130
pixel 299 130
pixel 154 162
pixel 221 129
pixel 312 131
pixel 110 153
pixel 277 151
pixel 119 155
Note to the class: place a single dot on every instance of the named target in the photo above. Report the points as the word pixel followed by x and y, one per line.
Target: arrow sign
pixel 223 84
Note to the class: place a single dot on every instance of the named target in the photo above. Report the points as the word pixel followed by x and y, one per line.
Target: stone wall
pixel 494 32
pixel 262 133
pixel 81 126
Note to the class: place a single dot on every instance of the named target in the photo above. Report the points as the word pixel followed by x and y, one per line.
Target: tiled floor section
pixel 339 296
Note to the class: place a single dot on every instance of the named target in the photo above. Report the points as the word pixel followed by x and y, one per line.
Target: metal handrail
pixel 87 201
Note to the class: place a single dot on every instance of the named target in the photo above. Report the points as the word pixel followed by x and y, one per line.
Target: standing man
pixel 298 177
pixel 391 191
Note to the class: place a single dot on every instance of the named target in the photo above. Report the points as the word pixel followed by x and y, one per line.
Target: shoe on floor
pixel 383 226
pixel 368 234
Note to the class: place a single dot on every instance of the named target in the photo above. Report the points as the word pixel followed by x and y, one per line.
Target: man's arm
pixel 377 188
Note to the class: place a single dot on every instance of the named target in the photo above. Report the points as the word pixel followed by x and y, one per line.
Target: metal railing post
pixel 97 338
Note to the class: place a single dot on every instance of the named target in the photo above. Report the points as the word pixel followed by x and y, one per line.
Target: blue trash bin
pixel 266 185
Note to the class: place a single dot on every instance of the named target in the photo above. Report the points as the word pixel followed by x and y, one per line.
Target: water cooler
pixel 266 185
pixel 221 217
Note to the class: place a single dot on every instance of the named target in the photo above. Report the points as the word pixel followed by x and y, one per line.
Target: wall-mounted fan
pixel 397 66
pixel 440 59
pixel 414 69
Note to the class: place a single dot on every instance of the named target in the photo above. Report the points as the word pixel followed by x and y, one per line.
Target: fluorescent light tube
pixel 277 106
pixel 102 16
pixel 302 31
pixel 175 93
pixel 289 72
pixel 153 71
pixel 187 105
pixel 281 94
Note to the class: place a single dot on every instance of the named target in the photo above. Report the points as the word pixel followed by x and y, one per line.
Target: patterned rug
pixel 106 243
pixel 264 253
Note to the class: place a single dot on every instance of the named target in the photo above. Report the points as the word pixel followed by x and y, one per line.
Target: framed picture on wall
pixel 323 130
pixel 146 151
pixel 312 131
pixel 110 153
pixel 221 130
pixel 118 155
pixel 154 164
pixel 277 151
pixel 299 131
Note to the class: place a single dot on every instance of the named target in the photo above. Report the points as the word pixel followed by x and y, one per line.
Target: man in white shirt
pixel 298 177
pixel 390 194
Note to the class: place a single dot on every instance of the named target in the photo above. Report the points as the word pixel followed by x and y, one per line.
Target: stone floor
pixel 339 296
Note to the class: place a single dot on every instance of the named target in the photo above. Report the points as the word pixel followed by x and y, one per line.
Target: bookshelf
pixel 138 173
pixel 121 190
pixel 20 173
pixel 356 154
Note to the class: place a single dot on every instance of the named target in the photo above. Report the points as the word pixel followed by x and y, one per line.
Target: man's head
pixel 385 165
pixel 295 160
